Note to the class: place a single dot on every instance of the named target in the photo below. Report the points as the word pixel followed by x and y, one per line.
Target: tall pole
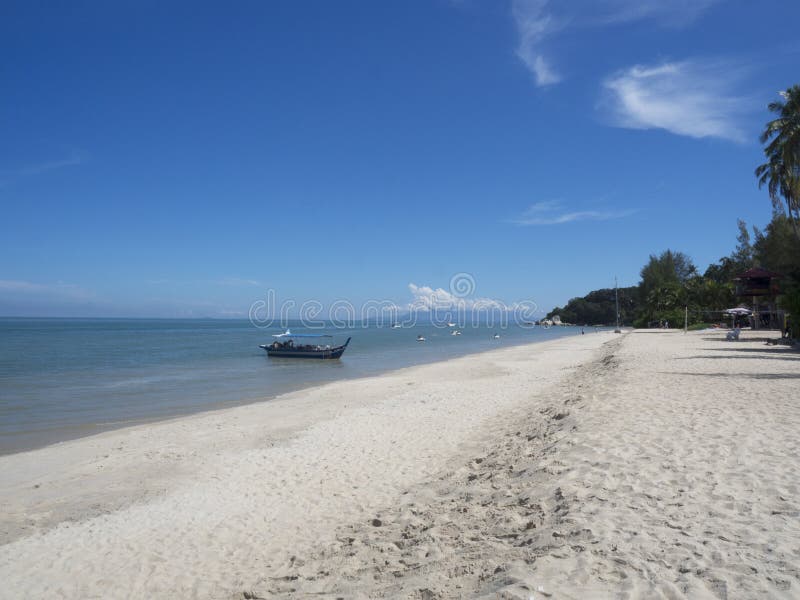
pixel 616 302
pixel 686 320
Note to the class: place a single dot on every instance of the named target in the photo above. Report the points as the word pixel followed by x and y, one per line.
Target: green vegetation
pixel 665 288
pixel 597 308
pixel 670 282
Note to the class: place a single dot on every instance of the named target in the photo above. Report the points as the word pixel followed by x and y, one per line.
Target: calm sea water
pixel 65 378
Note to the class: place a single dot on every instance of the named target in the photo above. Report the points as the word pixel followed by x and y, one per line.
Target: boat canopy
pixel 301 335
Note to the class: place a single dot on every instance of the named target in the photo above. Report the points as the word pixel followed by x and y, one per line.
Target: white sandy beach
pixel 654 464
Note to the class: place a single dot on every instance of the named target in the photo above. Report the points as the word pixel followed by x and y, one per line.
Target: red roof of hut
pixel 757 282
pixel 759 273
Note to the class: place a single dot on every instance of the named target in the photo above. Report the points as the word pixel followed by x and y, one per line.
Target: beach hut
pixel 762 286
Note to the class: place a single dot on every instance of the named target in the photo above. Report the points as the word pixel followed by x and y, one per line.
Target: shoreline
pixel 284 471
pixel 654 464
pixel 29 440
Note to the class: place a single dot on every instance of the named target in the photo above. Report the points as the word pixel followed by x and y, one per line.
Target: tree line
pixel 670 282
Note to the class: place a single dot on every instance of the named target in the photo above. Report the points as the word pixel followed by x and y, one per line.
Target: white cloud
pixel 544 206
pixel 533 25
pixel 426 298
pixel 690 98
pixel 551 213
pixel 544 73
pixel 538 20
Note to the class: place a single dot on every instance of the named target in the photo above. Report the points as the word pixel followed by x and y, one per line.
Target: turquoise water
pixel 65 378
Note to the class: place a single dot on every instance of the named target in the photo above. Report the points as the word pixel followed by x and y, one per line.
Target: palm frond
pixel 781 136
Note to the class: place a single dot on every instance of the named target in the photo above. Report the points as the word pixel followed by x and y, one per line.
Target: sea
pixel 67 378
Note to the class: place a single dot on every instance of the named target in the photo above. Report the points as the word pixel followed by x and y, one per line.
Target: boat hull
pixel 325 354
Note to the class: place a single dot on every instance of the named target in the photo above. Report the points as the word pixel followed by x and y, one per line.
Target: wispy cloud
pixel 224 282
pixel 551 212
pixel 31 298
pixel 671 13
pixel 691 98
pixel 66 291
pixel 237 282
pixel 538 20
pixel 43 167
pixel 9 175
pixel 534 24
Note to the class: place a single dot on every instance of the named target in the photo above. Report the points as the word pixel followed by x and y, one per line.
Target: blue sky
pixel 180 159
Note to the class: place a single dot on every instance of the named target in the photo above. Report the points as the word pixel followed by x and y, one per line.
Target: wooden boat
pixel 286 347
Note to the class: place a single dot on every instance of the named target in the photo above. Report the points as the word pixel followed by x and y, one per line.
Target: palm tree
pixel 781 172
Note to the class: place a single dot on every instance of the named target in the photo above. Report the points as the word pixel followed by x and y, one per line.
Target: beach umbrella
pixel 737 312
